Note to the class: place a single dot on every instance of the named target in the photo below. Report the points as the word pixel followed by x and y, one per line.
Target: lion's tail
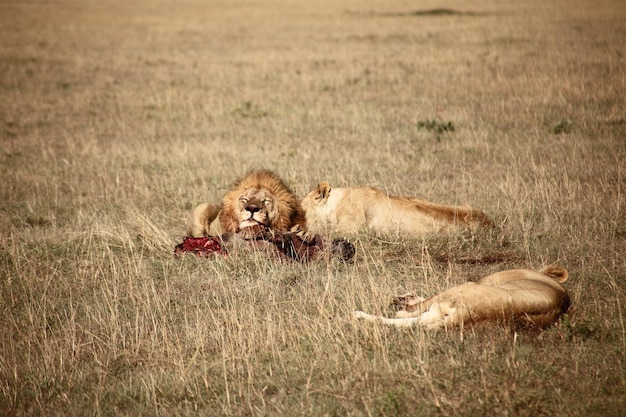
pixel 557 273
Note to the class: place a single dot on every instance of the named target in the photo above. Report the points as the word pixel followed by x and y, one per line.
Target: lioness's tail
pixel 557 273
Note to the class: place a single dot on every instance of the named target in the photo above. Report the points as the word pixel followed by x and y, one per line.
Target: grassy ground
pixel 117 117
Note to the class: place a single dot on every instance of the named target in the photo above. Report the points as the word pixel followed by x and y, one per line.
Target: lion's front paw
pixel 303 234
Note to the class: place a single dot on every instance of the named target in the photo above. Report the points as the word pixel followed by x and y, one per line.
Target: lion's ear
pixel 556 272
pixel 323 190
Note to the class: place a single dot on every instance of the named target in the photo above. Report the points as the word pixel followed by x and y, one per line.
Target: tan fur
pixel 260 200
pixel 346 210
pixel 202 218
pixel 525 297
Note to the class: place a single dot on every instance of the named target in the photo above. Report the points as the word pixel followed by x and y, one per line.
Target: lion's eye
pixel 244 200
pixel 267 202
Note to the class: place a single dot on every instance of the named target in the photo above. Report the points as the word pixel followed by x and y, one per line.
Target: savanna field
pixel 118 117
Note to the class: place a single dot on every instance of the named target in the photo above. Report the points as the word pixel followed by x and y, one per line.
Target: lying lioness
pixel 346 210
pixel 521 296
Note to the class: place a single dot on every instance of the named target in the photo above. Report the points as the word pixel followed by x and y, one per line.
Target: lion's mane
pixel 289 212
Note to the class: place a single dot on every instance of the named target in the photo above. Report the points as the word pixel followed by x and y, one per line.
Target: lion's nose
pixel 253 208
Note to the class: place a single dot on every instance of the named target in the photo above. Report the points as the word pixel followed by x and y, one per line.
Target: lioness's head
pixel 317 208
pixel 316 197
pixel 261 198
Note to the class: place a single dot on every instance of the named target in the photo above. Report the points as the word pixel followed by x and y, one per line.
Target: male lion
pixel 346 210
pixel 258 203
pixel 520 296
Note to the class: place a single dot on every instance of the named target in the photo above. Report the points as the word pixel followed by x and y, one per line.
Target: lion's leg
pixel 437 316
pixel 431 319
pixel 398 322
pixel 199 221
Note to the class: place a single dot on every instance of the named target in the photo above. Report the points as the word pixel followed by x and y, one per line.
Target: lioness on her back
pixel 521 296
pixel 346 210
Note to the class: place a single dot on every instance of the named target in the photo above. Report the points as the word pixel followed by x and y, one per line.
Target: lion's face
pixel 256 208
pixel 261 200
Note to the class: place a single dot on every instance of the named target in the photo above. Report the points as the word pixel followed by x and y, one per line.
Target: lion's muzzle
pixel 252 208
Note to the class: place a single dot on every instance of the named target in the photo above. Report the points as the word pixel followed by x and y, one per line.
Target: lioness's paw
pixel 405 301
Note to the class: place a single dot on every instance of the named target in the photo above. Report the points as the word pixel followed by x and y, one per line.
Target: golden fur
pixel 202 218
pixel 521 296
pixel 346 210
pixel 257 202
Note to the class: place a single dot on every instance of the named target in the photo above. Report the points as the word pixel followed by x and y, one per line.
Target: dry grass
pixel 117 117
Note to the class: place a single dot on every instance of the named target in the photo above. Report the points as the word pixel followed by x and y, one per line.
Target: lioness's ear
pixel 323 190
pixel 556 272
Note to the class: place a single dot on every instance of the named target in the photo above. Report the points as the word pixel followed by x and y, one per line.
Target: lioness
pixel 260 202
pixel 525 297
pixel 346 210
